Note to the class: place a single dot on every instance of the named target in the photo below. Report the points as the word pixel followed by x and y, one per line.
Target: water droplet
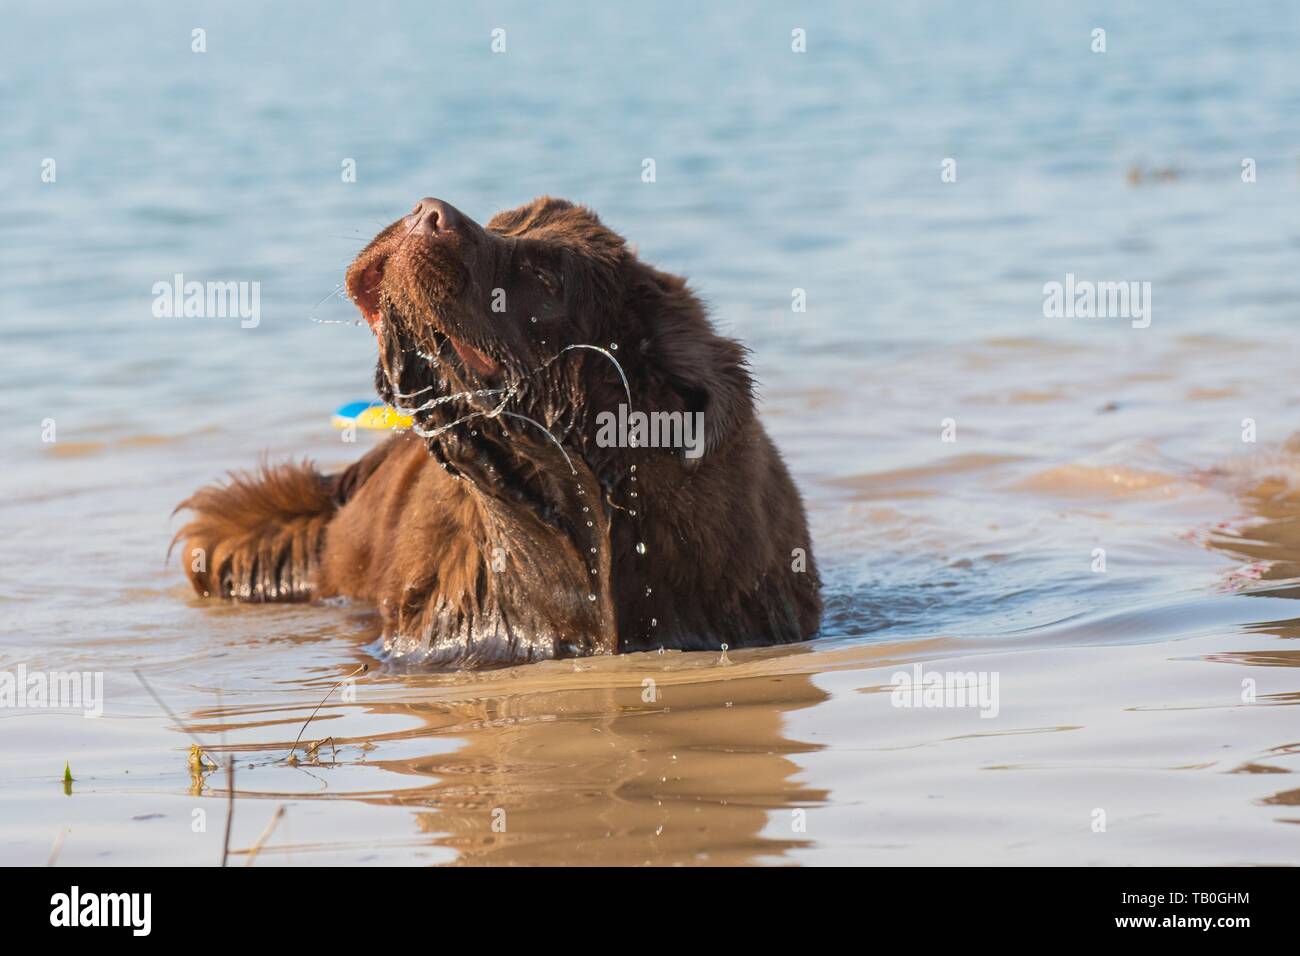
pixel 591 597
pixel 654 622
pixel 632 493
pixel 593 570
pixel 613 346
pixel 534 318
pixel 661 652
pixel 593 550
pixel 634 467
pixel 648 590
pixel 632 512
pixel 589 524
pixel 640 547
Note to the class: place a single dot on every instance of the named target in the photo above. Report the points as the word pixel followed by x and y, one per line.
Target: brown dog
pixel 586 474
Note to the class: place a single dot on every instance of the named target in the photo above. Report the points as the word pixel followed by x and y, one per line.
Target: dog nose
pixel 433 216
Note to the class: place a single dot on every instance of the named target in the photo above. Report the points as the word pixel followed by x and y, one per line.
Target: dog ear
pixel 697 369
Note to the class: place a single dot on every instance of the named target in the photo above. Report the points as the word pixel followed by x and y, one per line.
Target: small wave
pixel 1105 480
pixel 82 449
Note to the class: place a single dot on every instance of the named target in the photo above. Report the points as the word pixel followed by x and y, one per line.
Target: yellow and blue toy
pixel 373 415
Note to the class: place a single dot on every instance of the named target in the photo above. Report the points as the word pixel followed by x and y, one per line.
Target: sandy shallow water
pixel 1119 691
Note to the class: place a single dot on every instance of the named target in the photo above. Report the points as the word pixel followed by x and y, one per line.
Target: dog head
pixel 508 338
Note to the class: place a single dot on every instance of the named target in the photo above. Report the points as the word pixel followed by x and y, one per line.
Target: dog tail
pixel 259 537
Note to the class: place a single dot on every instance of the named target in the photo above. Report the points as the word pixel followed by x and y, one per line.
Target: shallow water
pixel 1119 690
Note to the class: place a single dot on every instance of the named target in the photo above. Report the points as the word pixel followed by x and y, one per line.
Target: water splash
pixel 508 393
pixel 444 399
pixel 416 393
pixel 338 293
pixel 555 440
pixel 605 352
pixel 443 429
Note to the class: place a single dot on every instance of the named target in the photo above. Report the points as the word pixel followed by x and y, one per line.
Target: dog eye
pixel 549 281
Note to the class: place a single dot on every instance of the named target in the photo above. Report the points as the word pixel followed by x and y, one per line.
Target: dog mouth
pixel 364 288
pixel 471 357
pixel 475 359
